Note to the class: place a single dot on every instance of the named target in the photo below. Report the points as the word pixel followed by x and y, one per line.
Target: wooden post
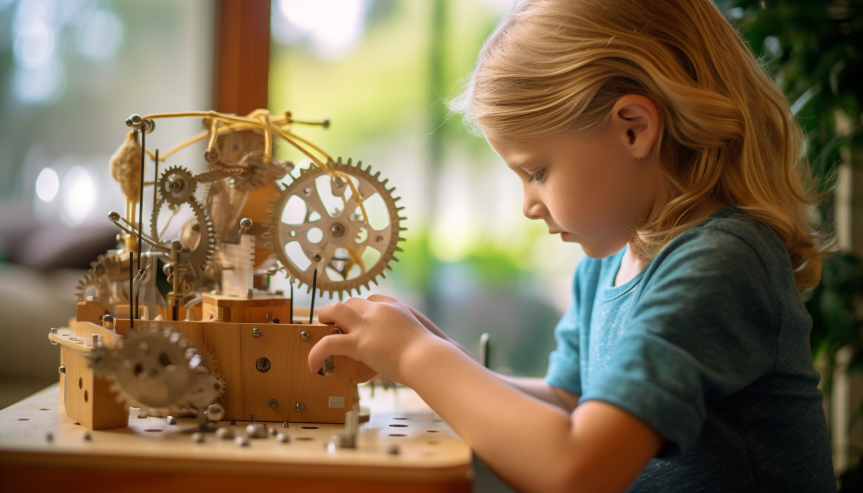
pixel 242 64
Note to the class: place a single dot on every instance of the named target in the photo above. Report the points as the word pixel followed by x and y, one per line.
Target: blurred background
pixel 72 71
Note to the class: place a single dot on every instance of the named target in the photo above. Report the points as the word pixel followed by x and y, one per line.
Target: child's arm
pixel 531 444
pixel 536 387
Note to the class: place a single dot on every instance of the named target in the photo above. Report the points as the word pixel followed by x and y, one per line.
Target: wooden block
pixel 288 381
pixel 88 400
pixel 91 311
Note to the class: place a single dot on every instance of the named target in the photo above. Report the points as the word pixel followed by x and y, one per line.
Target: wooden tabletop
pixel 150 453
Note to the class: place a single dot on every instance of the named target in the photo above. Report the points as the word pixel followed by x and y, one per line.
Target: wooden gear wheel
pixel 343 236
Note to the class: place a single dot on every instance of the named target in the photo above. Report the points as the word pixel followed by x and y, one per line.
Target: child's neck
pixel 632 264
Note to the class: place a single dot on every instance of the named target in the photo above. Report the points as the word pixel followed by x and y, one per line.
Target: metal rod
pixel 140 214
pixel 314 288
pixel 131 287
pixel 291 320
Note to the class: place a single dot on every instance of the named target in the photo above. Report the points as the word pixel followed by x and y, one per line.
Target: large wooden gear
pixel 345 233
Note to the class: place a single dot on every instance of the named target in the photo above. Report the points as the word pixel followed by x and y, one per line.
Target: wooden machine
pixel 178 319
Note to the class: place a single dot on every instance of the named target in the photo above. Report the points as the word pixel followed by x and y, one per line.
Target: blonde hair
pixel 726 130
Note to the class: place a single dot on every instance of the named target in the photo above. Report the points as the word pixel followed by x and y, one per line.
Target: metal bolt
pixel 317 258
pixel 256 332
pixel 285 424
pixel 95 340
pixel 172 420
pixel 299 407
pixel 273 432
pixel 62 368
pixel 55 330
pixel 273 403
pixel 242 441
pixel 304 335
pixel 225 433
pixel 337 331
pixel 337 230
pixel 198 437
pixel 108 321
pixel 282 438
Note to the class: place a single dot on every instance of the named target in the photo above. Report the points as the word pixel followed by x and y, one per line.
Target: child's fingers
pixel 380 298
pixel 332 345
pixel 359 304
pixel 340 314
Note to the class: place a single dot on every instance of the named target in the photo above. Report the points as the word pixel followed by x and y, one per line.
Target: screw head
pixel 256 332
pixel 263 365
pixel 62 368
pixel 273 403
pixel 299 407
pixel 304 335
pixel 54 330
pixel 337 331
pixel 337 230
pixel 316 258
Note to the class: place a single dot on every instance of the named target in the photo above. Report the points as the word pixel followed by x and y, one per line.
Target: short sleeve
pixel 564 369
pixel 705 326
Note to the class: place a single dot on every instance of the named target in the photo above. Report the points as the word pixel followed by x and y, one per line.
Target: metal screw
pixel 299 407
pixel 337 230
pixel 95 340
pixel 54 330
pixel 256 332
pixel 282 438
pixel 172 420
pixel 273 432
pixel 225 433
pixel 198 437
pixel 317 258
pixel 337 331
pixel 285 424
pixel 304 335
pixel 273 403
pixel 62 368
pixel 263 365
pixel 242 441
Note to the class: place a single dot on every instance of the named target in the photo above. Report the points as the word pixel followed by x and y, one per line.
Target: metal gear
pixel 202 253
pixel 176 185
pixel 109 280
pixel 342 244
pixel 102 293
pixel 157 369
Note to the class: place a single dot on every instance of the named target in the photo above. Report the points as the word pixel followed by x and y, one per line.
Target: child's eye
pixel 536 176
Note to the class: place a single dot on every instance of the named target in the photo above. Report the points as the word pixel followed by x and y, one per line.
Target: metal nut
pixel 299 407
pixel 256 332
pixel 304 335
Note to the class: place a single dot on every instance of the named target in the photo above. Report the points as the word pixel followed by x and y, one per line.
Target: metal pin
pixel 131 287
pixel 291 321
pixel 285 424
pixel 484 344
pixel 172 420
pixel 254 418
pixel 314 288
pixel 95 340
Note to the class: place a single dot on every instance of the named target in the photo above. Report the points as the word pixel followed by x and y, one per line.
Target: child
pixel 647 132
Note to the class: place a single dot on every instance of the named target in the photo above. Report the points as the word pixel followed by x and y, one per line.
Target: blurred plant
pixel 814 49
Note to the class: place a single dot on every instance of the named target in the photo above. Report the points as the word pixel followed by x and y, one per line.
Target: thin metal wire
pixel 140 218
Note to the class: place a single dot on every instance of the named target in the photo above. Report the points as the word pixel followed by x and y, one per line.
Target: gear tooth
pixel 377 174
pixel 394 258
pixel 331 295
pixel 396 199
pixel 386 180
pixel 402 218
pixel 375 280
pixel 400 238
pixel 349 161
pixel 399 249
pixel 391 190
pixel 384 274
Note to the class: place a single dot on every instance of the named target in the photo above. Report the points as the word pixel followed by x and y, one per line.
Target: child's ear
pixel 636 120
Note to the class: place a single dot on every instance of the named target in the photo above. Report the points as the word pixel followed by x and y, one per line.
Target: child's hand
pixel 378 331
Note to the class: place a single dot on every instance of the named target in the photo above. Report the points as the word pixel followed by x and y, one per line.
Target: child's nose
pixel 534 209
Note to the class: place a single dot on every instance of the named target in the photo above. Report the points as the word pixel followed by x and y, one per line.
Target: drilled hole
pixel 433 442
pixel 400 418
pixel 153 430
pixel 80 383
pixel 397 435
pixel 305 439
pixel 398 426
pixel 432 431
pixel 44 409
pixel 310 427
pixel 86 396
pixel 23 419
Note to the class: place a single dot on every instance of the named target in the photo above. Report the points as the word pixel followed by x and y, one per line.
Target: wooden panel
pixel 430 451
pixel 88 400
pixel 242 56
pixel 91 311
pixel 289 381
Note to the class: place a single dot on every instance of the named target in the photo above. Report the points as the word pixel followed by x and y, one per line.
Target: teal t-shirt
pixel 709 345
